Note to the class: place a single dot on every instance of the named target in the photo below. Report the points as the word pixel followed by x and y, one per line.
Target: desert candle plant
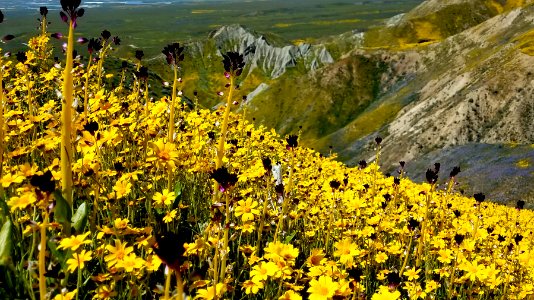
pixel 69 14
pixel 43 11
pixel 174 54
pixel 233 66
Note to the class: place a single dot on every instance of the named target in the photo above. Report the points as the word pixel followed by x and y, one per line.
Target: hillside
pixel 437 77
pixel 471 87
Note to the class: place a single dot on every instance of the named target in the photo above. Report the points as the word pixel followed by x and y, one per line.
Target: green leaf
pixel 59 255
pixel 290 237
pixel 63 211
pixel 79 220
pixel 178 193
pixel 178 189
pixel 6 244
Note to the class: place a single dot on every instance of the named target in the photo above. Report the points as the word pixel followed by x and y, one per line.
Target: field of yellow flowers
pixel 107 193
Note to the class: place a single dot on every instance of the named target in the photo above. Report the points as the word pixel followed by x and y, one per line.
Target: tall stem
pixel 224 251
pixel 43 25
pixel 28 81
pixel 66 119
pixel 173 103
pixel 264 212
pixel 86 87
pixel 222 138
pixel 170 137
pixel 42 251
pixel 179 285
pixel 167 283
pixel 224 128
pixel 285 201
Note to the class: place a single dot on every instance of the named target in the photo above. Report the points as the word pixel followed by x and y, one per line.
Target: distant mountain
pixel 268 59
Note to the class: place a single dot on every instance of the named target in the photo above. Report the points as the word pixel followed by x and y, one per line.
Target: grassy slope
pixel 433 22
pixel 505 169
pixel 321 102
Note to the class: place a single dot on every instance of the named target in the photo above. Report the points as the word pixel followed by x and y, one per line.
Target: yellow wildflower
pixel 78 260
pixel 74 242
pixel 322 288
pixel 247 209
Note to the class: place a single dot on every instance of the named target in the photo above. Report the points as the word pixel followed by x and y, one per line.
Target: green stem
pixel 173 100
pixel 86 87
pixel 170 137
pixel 101 63
pixel 224 251
pixel 224 128
pixel 451 282
pixel 280 225
pixel 262 220
pixel 42 252
pixel 222 138
pixel 30 106
pixel 78 282
pixel 407 256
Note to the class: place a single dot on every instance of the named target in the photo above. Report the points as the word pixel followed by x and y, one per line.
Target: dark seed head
pixel 173 53
pixel 459 238
pixel 267 164
pixel 479 197
pixel 21 57
pixel 224 178
pixel 139 54
pixel 94 45
pixel 45 183
pixel 92 127
pixel 431 176
pixel 233 63
pixel 116 40
pixel 142 74
pixel 334 184
pixel 119 167
pixel 455 171
pixel 413 224
pixel 105 34
pixel 43 10
pixel 292 141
